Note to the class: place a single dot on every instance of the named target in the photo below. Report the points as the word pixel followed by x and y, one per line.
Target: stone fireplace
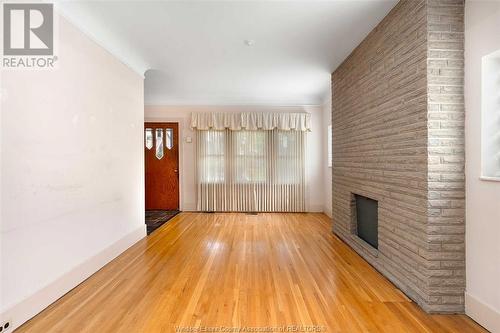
pixel 398 138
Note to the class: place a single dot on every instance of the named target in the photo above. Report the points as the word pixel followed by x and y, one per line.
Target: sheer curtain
pixel 259 170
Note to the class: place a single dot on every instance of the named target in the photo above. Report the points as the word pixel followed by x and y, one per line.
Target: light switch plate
pixel 189 139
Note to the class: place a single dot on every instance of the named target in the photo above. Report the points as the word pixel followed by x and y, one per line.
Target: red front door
pixel 161 153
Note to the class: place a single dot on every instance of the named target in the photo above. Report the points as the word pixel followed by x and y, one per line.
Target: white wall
pixel 327 171
pixel 72 194
pixel 182 115
pixel 482 24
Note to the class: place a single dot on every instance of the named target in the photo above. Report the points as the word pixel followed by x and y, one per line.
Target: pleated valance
pixel 237 121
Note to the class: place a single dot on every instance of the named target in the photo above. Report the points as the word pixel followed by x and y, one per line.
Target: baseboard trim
pixel 310 208
pixel 482 313
pixel 31 306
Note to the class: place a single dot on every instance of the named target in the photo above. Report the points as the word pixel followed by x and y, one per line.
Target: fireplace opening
pixel 367 219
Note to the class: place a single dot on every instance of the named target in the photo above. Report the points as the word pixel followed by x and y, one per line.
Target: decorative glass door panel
pixel 159 143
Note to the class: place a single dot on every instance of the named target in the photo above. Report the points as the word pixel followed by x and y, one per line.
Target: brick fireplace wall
pixel 398 137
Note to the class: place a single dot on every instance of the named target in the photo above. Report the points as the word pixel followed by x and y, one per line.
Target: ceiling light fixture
pixel 249 42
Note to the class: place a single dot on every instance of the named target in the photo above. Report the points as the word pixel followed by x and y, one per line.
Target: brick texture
pixel 398 137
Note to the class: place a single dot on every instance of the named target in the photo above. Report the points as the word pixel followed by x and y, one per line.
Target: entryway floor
pixel 156 218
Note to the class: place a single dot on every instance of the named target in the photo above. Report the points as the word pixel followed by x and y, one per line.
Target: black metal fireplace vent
pixel 367 219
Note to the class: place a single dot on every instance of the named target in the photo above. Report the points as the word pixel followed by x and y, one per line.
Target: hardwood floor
pixel 236 270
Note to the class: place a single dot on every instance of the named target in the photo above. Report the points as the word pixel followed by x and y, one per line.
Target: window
pixel 211 148
pixel 330 146
pixel 490 115
pixel 260 170
pixel 286 157
pixel 250 156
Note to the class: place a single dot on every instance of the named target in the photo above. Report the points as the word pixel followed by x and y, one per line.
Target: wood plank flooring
pixel 218 271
